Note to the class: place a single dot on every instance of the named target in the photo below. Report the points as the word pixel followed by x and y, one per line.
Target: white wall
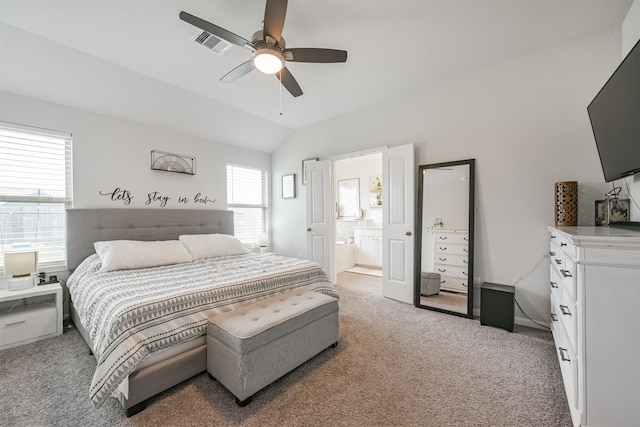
pixel 110 154
pixel 524 121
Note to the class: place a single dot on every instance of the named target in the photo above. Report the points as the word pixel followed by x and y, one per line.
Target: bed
pixel 147 326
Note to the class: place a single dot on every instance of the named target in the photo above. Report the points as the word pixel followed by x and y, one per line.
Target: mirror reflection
pixel 445 252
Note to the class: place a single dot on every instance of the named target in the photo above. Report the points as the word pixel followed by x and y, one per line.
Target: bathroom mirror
pixel 444 241
pixel 348 198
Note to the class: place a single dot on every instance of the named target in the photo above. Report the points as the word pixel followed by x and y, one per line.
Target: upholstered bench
pixel 254 345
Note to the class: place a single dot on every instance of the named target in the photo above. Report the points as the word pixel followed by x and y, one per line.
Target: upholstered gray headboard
pixel 86 226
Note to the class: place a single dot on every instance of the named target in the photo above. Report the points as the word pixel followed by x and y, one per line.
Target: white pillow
pixel 212 245
pixel 132 254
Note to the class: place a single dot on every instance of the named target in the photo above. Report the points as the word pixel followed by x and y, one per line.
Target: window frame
pixel 264 205
pixel 11 195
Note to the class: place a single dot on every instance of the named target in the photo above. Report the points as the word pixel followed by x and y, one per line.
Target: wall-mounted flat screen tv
pixel 615 119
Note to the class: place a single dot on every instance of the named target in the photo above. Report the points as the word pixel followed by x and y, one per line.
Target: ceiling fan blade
pixel 310 54
pixel 216 31
pixel 274 14
pixel 289 82
pixel 239 71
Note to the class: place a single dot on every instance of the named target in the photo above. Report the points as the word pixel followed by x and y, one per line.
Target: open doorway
pixel 358 187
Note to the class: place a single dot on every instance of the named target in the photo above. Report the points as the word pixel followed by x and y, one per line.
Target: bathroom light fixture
pixel 268 60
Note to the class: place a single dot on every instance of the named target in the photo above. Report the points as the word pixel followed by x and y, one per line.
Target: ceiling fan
pixel 270 53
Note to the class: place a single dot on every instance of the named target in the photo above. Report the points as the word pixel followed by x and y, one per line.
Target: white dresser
pixel 451 258
pixel 595 320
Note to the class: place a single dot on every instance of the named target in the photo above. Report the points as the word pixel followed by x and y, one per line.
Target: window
pixel 247 197
pixel 35 189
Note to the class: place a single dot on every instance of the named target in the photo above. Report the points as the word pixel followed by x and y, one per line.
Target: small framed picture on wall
pixel 289 186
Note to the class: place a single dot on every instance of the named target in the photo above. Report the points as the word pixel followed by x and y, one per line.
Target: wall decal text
pixel 155 198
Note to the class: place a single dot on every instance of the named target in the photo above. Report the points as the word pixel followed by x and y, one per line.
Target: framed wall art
pixel 171 162
pixel 289 186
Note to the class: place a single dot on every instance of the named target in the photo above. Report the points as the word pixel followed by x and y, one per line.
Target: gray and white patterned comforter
pixel 131 314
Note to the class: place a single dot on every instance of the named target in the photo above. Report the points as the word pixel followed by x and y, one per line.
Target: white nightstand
pixel 29 315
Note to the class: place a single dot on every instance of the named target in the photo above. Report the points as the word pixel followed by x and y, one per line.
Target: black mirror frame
pixel 418 239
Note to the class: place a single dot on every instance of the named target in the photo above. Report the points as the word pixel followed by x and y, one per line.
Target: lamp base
pixel 21 283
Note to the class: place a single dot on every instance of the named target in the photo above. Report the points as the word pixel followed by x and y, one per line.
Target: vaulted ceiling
pixel 136 59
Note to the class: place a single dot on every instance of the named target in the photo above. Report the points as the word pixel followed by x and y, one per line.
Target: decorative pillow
pixel 212 245
pixel 132 254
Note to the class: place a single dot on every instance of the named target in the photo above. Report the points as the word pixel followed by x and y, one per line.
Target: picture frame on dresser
pixel 611 210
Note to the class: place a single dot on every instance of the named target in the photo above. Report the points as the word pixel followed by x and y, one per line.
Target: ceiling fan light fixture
pixel 268 61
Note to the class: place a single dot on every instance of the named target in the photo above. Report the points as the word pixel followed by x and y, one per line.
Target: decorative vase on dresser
pixel 595 320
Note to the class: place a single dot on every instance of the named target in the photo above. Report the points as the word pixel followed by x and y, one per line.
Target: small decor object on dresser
pixel 566 205
pixel 612 210
pixel 171 162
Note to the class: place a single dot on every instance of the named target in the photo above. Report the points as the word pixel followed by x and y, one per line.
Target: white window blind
pixel 35 189
pixel 247 197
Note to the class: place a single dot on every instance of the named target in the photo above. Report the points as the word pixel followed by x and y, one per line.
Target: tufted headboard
pixel 86 226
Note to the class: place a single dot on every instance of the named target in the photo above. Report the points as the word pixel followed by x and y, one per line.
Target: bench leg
pixel 245 402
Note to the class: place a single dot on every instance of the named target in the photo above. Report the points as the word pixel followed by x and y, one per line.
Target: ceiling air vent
pixel 211 42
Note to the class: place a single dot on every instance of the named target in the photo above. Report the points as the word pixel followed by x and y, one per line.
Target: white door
pixel 320 216
pixel 398 183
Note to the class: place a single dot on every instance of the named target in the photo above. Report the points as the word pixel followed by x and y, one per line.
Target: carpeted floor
pixel 396 365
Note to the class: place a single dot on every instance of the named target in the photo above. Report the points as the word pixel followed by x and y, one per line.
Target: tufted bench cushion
pixel 254 345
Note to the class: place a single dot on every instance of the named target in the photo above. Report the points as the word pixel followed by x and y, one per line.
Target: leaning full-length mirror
pixel 444 244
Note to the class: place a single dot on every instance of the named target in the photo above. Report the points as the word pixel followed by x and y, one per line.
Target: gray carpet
pixel 396 365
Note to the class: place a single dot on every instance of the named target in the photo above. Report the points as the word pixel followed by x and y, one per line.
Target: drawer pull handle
pixel 441 270
pixel 443 249
pixel 562 244
pixel 465 273
pixel 442 259
pixel 466 239
pixel 554 285
pixel 465 261
pixel 443 237
pixel 558 261
pixel 565 273
pixel 554 317
pixel 15 323
pixel 465 250
pixel 552 253
pixel 565 310
pixel 553 237
pixel 564 351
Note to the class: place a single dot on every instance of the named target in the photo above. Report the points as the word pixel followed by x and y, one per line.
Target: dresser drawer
pixel 564 245
pixel 456 284
pixel 568 314
pixel 452 259
pixel 452 270
pixel 569 367
pixel 556 329
pixel 460 238
pixel 447 248
pixel 28 322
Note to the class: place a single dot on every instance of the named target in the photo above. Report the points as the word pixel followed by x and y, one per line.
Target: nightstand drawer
pixel 28 322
